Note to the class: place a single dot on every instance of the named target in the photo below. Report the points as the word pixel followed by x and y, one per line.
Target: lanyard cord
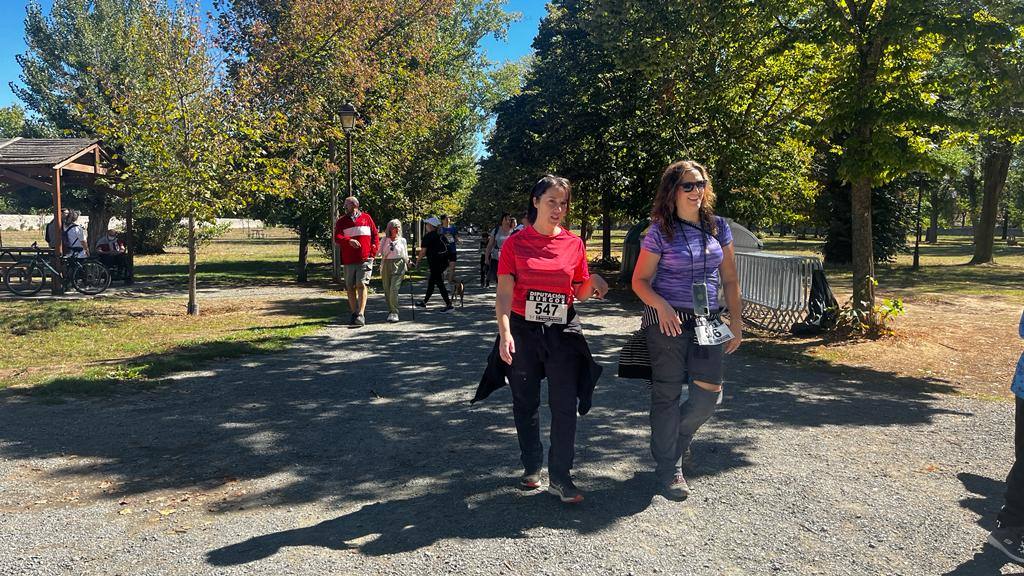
pixel 703 244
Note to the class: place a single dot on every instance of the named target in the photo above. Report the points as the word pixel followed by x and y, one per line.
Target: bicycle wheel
pixel 25 278
pixel 90 277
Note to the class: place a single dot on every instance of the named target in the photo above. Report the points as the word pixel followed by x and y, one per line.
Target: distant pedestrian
pixel 523 222
pixel 541 273
pixel 496 240
pixel 394 254
pixel 685 254
pixel 357 236
pixel 450 235
pixel 1008 536
pixel 435 251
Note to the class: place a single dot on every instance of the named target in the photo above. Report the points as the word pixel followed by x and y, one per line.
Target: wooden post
pixel 57 285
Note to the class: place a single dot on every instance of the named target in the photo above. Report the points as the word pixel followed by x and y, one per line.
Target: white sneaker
pixel 393 317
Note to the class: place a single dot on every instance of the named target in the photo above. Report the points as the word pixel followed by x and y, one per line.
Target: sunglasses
pixel 689 186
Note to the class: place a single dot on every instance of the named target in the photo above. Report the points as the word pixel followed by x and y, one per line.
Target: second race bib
pixel 713 332
pixel 546 307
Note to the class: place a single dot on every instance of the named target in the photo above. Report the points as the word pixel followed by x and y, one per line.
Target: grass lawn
pixel 100 344
pixel 95 346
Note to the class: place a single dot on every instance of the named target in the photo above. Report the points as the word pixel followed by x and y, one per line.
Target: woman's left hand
pixel 733 344
pixel 599 286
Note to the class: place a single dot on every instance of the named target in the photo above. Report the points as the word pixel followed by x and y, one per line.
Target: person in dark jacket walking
pixel 542 270
pixel 435 250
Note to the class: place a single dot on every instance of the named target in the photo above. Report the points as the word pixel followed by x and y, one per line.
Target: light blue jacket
pixel 1018 377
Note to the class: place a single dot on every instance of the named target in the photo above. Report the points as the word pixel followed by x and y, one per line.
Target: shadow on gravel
pixel 986 499
pixel 485 508
pixel 985 563
pixel 366 415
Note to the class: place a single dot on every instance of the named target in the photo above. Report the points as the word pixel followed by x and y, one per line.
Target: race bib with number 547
pixel 546 307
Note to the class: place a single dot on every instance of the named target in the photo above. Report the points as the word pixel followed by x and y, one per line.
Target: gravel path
pixel 356 452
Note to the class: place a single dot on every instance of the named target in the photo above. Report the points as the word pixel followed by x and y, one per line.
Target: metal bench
pixel 776 288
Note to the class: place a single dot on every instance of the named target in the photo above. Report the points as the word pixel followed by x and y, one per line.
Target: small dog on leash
pixel 459 291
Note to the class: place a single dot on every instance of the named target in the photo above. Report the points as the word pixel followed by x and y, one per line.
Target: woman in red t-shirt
pixel 542 270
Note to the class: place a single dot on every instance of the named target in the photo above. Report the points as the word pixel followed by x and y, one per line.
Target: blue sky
pixel 12 41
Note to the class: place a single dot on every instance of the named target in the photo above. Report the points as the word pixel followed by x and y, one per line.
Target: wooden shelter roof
pixel 48 152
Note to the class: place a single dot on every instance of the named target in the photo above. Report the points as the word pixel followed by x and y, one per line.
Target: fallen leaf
pixel 124 511
pixel 167 511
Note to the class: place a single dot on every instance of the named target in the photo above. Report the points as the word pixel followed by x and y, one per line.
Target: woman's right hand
pixel 506 348
pixel 668 320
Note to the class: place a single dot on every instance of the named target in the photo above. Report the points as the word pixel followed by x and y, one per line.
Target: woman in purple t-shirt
pixel 686 254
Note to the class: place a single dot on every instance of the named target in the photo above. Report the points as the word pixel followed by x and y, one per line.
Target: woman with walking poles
pixel 542 271
pixel 394 255
pixel 684 255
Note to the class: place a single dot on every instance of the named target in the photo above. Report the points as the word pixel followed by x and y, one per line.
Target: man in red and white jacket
pixel 356 235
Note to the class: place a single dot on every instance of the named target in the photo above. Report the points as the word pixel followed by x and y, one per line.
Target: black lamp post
pixel 348 124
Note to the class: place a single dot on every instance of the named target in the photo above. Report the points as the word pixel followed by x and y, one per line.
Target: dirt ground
pixel 964 341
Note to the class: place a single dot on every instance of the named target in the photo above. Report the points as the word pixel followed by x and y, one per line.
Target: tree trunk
pixel 933 219
pixel 302 269
pixel 193 306
pixel 995 166
pixel 862 248
pixel 99 217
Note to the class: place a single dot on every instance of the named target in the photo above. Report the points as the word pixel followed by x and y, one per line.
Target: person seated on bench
pixel 111 251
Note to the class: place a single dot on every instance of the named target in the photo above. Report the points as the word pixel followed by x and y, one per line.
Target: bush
pixel 874 324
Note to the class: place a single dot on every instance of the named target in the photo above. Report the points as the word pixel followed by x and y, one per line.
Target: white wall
pixel 33 222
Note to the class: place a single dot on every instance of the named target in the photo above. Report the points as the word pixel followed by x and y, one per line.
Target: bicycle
pixel 28 276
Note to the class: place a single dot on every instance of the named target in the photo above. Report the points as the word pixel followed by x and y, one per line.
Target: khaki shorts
pixel 358 274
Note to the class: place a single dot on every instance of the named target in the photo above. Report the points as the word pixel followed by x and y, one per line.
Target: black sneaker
pixel 352 320
pixel 1009 541
pixel 565 490
pixel 421 304
pixel 677 488
pixel 530 480
pixel 448 308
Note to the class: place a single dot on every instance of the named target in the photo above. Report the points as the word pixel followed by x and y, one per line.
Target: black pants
pixel 1012 514
pixel 544 351
pixel 437 269
pixel 483 270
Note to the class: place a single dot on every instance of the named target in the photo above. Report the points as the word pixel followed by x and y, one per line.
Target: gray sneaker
pixel 677 488
pixel 565 490
pixel 1009 541
pixel 393 317
pixel 360 320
